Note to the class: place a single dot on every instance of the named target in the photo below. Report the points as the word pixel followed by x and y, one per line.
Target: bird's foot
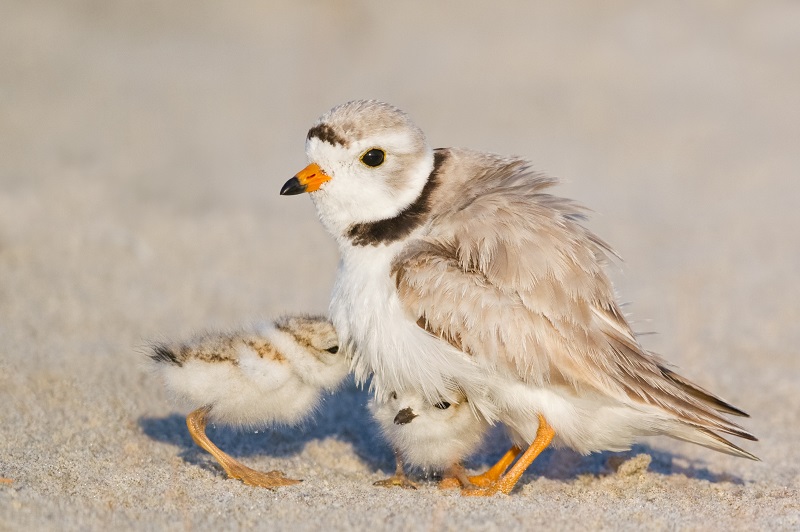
pixel 251 477
pixel 456 477
pixel 450 483
pixel 506 483
pixel 486 485
pixel 4 480
pixel 196 421
pixel 485 491
pixel 482 480
pixel 397 481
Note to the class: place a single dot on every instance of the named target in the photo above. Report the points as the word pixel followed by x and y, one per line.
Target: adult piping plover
pixel 432 437
pixel 274 373
pixel 460 273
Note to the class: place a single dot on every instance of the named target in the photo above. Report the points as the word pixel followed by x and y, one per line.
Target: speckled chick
pixel 432 437
pixel 275 372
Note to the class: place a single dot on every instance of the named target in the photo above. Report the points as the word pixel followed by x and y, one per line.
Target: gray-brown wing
pixel 509 275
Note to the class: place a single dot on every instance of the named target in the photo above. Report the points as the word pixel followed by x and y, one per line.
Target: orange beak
pixel 308 179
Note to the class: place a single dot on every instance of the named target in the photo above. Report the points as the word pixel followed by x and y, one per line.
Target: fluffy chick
pixel 428 436
pixel 274 372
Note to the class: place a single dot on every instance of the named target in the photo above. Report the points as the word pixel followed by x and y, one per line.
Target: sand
pixel 142 147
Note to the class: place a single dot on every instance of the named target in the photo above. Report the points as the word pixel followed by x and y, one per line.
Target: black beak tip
pixel 292 187
pixel 404 416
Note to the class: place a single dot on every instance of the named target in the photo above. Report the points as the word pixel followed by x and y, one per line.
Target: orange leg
pixel 455 477
pixel 4 480
pixel 544 435
pixel 489 477
pixel 196 421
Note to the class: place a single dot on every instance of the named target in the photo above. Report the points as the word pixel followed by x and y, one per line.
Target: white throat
pixel 342 203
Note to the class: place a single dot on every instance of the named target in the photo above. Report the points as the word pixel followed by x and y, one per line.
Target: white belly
pixel 585 424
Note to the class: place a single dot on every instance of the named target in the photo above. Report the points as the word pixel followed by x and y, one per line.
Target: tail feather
pixel 707 438
pixel 162 353
pixel 736 430
pixel 687 404
pixel 703 416
pixel 700 394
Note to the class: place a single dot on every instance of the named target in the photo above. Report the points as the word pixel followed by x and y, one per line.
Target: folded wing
pixel 508 275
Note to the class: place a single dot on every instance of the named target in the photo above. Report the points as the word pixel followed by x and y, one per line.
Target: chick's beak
pixel 404 416
pixel 308 179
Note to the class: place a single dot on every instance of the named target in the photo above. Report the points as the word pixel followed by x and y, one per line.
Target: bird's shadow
pixel 565 464
pixel 344 416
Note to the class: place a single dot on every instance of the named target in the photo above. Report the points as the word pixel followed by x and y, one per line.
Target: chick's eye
pixel 373 157
pixel 444 405
pixel 333 350
pixel 393 396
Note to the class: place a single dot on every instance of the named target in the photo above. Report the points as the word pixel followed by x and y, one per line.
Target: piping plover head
pixel 375 161
pixel 462 273
pixel 433 437
pixel 274 372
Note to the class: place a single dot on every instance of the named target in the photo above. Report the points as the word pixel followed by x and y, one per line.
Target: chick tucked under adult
pixel 462 276
pixel 433 437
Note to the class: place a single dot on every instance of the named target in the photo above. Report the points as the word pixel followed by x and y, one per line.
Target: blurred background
pixel 143 144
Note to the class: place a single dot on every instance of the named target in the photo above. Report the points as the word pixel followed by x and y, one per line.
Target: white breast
pixel 387 344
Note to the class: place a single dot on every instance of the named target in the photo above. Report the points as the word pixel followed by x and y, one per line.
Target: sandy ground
pixel 142 147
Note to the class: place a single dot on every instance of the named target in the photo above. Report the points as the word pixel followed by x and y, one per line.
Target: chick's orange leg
pixel 197 421
pixel 486 479
pixel 399 479
pixel 544 435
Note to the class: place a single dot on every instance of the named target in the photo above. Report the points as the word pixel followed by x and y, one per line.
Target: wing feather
pixel 510 276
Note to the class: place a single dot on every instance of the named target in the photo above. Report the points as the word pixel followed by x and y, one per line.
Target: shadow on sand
pixel 344 416
pixel 565 464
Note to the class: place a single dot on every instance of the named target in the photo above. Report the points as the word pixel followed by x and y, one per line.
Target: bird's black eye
pixel 393 396
pixel 444 405
pixel 373 157
pixel 333 350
